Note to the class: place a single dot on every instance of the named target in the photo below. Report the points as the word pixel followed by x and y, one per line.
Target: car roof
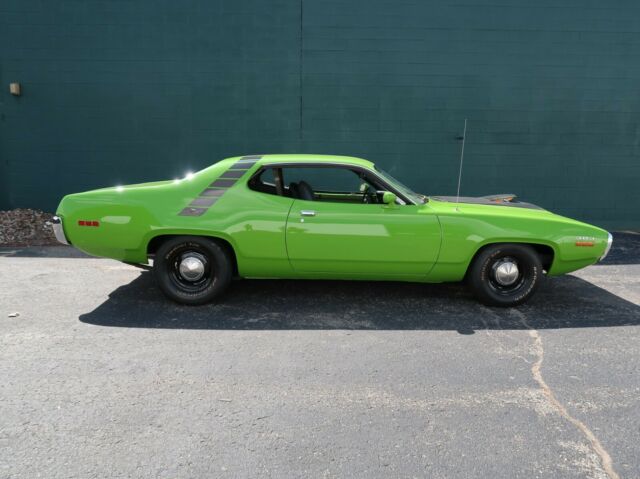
pixel 302 159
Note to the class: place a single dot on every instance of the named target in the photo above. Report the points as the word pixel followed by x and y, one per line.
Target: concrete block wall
pixel 122 92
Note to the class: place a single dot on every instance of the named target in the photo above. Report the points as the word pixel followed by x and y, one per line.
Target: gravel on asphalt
pixel 26 227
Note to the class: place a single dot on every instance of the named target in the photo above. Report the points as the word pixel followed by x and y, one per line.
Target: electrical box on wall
pixel 15 89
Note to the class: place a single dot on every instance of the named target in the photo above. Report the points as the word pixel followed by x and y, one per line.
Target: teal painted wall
pixel 125 91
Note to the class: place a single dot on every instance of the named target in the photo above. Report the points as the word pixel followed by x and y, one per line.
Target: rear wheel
pixel 192 270
pixel 505 274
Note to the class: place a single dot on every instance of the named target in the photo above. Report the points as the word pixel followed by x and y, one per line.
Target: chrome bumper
pixel 608 248
pixel 58 230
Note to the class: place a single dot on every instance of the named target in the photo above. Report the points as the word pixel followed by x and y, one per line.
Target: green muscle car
pixel 323 217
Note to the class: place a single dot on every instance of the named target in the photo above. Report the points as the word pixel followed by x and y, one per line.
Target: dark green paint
pixel 123 92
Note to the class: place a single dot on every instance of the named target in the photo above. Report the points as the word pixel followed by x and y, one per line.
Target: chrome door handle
pixel 308 213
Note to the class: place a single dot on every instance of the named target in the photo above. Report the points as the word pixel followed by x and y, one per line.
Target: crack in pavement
pixel 538 352
pixel 499 330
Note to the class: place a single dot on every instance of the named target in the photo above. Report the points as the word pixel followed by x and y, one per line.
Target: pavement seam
pixel 536 371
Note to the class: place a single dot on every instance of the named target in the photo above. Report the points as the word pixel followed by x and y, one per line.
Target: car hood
pixel 492 200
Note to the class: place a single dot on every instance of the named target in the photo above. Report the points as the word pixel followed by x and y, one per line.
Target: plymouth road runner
pixel 323 217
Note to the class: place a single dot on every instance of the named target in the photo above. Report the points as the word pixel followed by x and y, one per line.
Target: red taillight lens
pixel 88 223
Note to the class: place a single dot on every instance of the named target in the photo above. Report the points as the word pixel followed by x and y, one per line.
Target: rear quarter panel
pixel 131 216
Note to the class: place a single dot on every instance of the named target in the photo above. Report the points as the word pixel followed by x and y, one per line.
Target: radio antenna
pixel 464 137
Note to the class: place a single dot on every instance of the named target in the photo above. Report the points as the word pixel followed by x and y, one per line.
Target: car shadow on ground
pixel 564 302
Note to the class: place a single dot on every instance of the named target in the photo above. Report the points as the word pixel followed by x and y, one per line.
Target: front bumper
pixel 58 230
pixel 608 248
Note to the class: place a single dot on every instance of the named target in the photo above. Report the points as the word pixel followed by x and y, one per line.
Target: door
pixel 339 233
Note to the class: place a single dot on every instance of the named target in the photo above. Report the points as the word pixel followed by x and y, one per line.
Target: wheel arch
pixel 154 243
pixel 545 252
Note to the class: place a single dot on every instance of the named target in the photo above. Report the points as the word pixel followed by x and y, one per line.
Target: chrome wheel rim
pixel 192 266
pixel 191 270
pixel 506 276
pixel 506 272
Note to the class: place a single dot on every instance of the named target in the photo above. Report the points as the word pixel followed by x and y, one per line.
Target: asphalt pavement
pixel 104 377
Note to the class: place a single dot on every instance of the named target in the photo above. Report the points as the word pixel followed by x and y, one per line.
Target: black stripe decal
pixel 242 165
pixel 190 211
pixel 215 190
pixel 212 192
pixel 232 174
pixel 222 183
pixel 204 201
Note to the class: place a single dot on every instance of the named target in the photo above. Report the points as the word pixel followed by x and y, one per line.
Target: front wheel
pixel 192 270
pixel 505 274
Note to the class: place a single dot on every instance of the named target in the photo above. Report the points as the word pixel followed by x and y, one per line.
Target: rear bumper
pixel 608 248
pixel 58 230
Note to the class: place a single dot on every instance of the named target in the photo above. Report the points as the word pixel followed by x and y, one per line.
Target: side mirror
pixel 389 198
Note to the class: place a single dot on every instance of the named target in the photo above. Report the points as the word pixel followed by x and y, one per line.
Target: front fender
pixel 463 235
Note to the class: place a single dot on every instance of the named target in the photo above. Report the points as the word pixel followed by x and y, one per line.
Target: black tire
pixel 489 285
pixel 205 256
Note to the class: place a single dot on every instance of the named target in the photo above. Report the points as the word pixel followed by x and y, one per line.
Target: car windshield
pixel 405 190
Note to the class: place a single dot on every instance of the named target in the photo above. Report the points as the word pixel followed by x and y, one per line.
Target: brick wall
pixel 120 92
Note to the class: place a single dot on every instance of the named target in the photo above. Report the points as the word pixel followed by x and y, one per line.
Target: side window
pixel 329 184
pixel 317 183
pixel 323 180
pixel 265 182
